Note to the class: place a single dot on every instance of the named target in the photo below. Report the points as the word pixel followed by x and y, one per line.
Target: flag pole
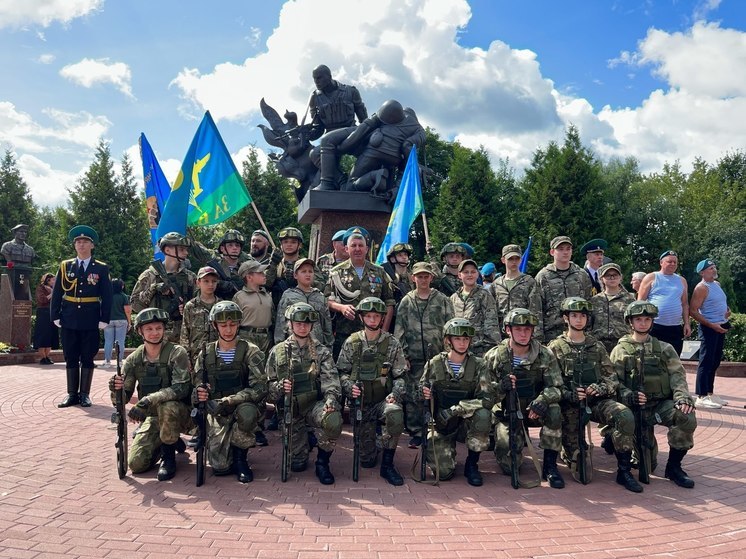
pixel 424 228
pixel 264 225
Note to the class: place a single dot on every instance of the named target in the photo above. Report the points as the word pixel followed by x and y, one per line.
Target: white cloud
pixel 48 186
pixel 89 72
pixel 43 12
pixel 46 59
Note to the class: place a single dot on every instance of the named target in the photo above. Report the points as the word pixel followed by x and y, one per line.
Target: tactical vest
pixel 336 110
pixel 657 380
pixel 170 303
pixel 367 367
pixel 579 366
pixel 226 379
pixel 306 384
pixel 528 380
pixel 448 390
pixel 151 377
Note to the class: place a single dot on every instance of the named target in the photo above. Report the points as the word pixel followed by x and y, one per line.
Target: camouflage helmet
pixel 301 312
pixel 640 308
pixel 576 304
pixel 173 239
pixel 151 314
pixel 399 247
pixel 452 247
pixel 458 327
pixel 232 236
pixel 290 233
pixel 391 112
pixel 520 317
pixel 223 311
pixel 371 304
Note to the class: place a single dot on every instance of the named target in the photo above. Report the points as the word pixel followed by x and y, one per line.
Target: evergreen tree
pixel 15 200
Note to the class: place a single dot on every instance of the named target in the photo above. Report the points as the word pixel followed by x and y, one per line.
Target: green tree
pixel 15 199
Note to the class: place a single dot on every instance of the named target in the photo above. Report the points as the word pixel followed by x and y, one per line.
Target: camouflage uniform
pixel 237 394
pixel 665 385
pixel 229 282
pixel 470 396
pixel 315 385
pixel 478 307
pixel 608 317
pixel 196 328
pixel 539 380
pixel 446 282
pixel 324 265
pixel 519 293
pixel 322 329
pixel 583 364
pixel 554 287
pixel 146 293
pixel 258 313
pixel 419 329
pixel 362 361
pixel 167 385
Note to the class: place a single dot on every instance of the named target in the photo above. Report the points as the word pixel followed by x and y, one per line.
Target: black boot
pixel 180 446
pixel 624 475
pixel 241 465
pixel 168 462
pixel 371 462
pixel 608 444
pixel 388 470
pixel 86 378
pixel 471 469
pixel 322 467
pixel 674 471
pixel 549 470
pixel 274 422
pixel 261 438
pixel 73 381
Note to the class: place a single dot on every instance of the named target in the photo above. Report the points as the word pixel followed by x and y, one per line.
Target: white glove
pixel 57 323
pixel 102 325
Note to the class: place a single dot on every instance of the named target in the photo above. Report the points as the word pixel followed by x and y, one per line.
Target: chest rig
pixel 368 367
pixel 151 377
pixel 226 379
pixel 528 379
pixel 450 390
pixel 657 383
pixel 579 363
pixel 304 373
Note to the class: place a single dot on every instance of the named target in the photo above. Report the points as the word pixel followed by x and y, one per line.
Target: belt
pixel 252 329
pixel 81 299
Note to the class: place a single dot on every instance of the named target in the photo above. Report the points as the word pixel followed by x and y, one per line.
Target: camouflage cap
pixel 300 262
pixel 251 267
pixel 511 250
pixel 467 262
pixel 603 270
pixel 557 241
pixel 420 267
pixel 207 271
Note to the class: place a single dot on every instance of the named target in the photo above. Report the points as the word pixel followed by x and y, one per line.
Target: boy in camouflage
pixel 461 387
pixel 256 306
pixel 196 328
pixel 371 367
pixel 303 367
pixel 514 289
pixel 419 327
pixel 522 363
pixel 234 394
pixel 476 305
pixel 590 388
pixel 160 371
pixel 664 393
pixel 608 307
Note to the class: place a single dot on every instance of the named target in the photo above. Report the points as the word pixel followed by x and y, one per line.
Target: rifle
pixel 584 476
pixel 643 449
pixel 225 291
pixel 200 414
pixel 287 434
pixel 515 416
pixel 178 296
pixel 120 418
pixel 356 427
pixel 428 419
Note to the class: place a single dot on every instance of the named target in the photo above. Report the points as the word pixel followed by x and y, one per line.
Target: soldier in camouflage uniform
pixel 524 363
pixel 226 261
pixel 170 293
pixel 234 394
pixel 447 280
pixel 556 282
pixel 397 267
pixel 256 305
pixel 590 388
pixel 260 246
pixel 326 262
pixel 608 323
pixel 664 393
pixel 475 304
pixel 304 367
pixel 195 327
pixel 371 367
pixel 463 395
pixel 305 292
pixel 514 289
pixel 160 372
pixel 279 271
pixel 419 328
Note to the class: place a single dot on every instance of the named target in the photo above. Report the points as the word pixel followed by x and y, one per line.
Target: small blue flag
pixel 407 207
pixel 523 266
pixel 157 190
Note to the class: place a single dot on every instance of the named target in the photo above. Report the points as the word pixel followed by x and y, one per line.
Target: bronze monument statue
pixel 19 257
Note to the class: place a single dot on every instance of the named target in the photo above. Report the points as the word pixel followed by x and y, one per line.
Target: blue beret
pixel 359 231
pixel 468 248
pixel 339 235
pixel 666 253
pixel 488 269
pixel 704 264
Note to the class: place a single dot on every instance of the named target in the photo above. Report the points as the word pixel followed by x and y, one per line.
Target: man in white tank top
pixel 668 291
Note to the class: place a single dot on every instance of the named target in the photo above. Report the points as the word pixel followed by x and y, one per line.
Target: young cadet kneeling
pixel 161 371
pixel 303 368
pixel 590 389
pixel 462 390
pixel 371 368
pixel 234 393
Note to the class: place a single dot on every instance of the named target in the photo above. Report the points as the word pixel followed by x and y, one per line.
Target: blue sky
pixel 660 81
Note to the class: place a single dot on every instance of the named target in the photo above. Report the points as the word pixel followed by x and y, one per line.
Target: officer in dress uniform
pixel 594 259
pixel 81 305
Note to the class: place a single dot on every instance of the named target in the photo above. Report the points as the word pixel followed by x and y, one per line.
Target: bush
pixel 735 339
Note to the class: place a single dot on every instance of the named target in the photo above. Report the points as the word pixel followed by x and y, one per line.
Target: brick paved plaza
pixel 60 497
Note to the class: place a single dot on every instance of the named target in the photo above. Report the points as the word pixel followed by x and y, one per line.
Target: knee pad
pixel 247 416
pixel 332 424
pixel 553 418
pixel 624 422
pixel 395 422
pixel 481 421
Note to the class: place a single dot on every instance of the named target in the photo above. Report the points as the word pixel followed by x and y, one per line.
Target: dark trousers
pixel 80 347
pixel 710 354
pixel 673 335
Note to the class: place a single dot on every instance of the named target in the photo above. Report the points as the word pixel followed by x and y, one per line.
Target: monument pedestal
pixel 329 211
pixel 15 317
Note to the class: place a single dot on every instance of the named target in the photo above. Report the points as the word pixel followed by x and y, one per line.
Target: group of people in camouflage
pixel 272 327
